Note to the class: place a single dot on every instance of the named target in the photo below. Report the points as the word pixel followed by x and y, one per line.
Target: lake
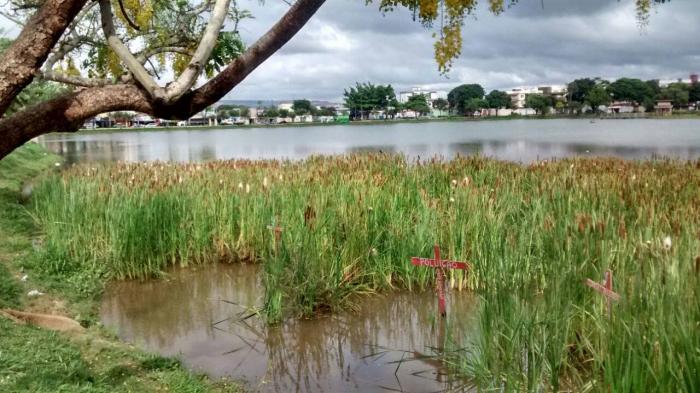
pixel 206 316
pixel 514 140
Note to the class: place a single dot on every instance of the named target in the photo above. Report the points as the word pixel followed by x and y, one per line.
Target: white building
pixel 430 95
pixel 518 95
pixel 287 106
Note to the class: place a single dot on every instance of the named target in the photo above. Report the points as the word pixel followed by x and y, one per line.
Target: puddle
pixel 381 348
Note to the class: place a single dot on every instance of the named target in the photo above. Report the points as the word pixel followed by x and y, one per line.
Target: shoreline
pixel 87 356
pixel 378 122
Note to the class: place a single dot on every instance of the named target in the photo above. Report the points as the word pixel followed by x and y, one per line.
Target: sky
pixel 534 42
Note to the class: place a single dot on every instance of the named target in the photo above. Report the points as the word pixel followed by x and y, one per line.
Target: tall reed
pixel 350 224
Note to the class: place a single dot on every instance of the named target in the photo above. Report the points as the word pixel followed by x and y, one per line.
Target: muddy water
pixel 197 315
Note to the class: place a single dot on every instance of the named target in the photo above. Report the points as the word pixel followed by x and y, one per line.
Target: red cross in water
pixel 440 265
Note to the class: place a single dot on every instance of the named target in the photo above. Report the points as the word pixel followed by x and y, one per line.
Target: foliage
pixel 532 233
pixel 228 47
pixel 579 88
pixel 630 89
pixel 326 111
pixel 694 93
pixel 366 97
pixel 473 105
pixel 54 363
pixel 35 360
pixel 9 289
pixel 225 111
pixel 459 96
pixel 538 102
pixel 596 97
pixel 498 99
pixel 271 112
pixel 678 93
pixel 418 103
pixel 303 107
pixel 451 15
pixel 441 104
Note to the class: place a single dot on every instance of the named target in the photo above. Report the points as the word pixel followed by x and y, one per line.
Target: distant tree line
pixel 582 94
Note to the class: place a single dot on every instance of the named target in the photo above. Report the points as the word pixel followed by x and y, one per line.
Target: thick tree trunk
pixel 28 52
pixel 68 112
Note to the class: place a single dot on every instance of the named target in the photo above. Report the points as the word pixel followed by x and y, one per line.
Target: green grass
pixel 35 360
pixel 533 234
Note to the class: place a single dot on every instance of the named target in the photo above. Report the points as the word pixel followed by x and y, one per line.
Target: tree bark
pixel 68 112
pixel 296 17
pixel 28 52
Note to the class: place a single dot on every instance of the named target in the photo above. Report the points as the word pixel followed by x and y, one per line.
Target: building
pixel 286 106
pixel 558 92
pixel 664 107
pixel 518 95
pixel 625 107
pixel 430 95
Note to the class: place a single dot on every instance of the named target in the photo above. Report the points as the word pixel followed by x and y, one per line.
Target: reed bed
pixel 350 224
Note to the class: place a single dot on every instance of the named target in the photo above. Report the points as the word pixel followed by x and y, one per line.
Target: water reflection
pixel 198 316
pixel 514 140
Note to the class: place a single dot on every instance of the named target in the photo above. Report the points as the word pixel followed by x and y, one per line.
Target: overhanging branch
pixel 28 52
pixel 293 20
pixel 201 55
pixel 122 51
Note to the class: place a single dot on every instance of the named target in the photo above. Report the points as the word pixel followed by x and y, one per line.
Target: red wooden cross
pixel 605 289
pixel 278 234
pixel 440 265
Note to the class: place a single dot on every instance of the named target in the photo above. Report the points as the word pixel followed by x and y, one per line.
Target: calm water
pixel 388 345
pixel 515 140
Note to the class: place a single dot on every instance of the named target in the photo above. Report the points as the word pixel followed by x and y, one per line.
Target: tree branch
pixel 28 52
pixel 150 52
pixel 68 112
pixel 135 67
pixel 72 41
pixel 189 76
pixel 72 80
pixel 275 38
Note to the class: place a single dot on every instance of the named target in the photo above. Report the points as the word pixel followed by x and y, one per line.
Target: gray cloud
pixel 528 44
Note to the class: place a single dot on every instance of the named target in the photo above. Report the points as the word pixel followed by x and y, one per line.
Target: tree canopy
pixel 678 93
pixel 538 102
pixel 111 55
pixel 302 107
pixel 418 103
pixel 498 99
pixel 630 89
pixel 366 97
pixel 463 93
pixel 596 97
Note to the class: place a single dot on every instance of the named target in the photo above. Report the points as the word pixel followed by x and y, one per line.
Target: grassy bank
pixel 36 360
pixel 533 234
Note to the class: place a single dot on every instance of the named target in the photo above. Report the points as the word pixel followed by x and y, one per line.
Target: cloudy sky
pixel 534 42
pixel 529 44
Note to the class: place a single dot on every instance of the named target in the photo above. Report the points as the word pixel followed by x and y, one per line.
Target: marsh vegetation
pixel 349 226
